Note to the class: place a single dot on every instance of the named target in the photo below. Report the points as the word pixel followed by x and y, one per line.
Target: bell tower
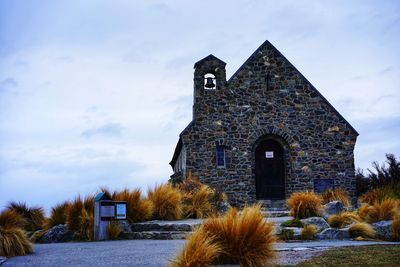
pixel 209 82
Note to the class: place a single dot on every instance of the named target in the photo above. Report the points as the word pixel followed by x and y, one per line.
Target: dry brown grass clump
pixel 381 193
pixel 385 210
pixel 308 232
pixel 74 213
pixel 197 203
pixel 33 216
pixel 200 249
pixel 337 194
pixel 396 229
pixel 245 238
pixel 113 230
pixel 305 204
pixel 79 217
pixel 166 201
pixel 343 219
pixel 86 225
pixel 57 215
pixel 361 229
pixel 13 239
pixel 138 209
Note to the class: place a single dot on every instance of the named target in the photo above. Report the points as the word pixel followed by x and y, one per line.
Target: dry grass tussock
pixel 79 217
pixel 308 232
pixel 73 214
pixel 197 203
pixel 361 229
pixel 389 191
pixel 343 219
pixel 305 204
pixel 245 238
pixel 385 210
pixel 113 230
pixel 166 202
pixel 200 249
pixel 57 215
pixel 33 216
pixel 337 194
pixel 138 208
pixel 13 239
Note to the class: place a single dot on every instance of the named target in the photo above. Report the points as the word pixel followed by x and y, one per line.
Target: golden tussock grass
pixel 245 238
pixel 166 202
pixel 73 214
pixel 57 215
pixel 138 209
pixel 385 210
pixel 381 193
pixel 197 203
pixel 305 204
pixel 86 225
pixel 361 229
pixel 33 216
pixel 396 229
pixel 13 239
pixel 337 194
pixel 113 230
pixel 200 249
pixel 343 219
pixel 308 232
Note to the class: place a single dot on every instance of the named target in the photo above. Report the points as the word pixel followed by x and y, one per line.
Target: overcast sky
pixel 95 93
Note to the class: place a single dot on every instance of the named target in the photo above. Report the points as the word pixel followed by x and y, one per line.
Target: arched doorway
pixel 270 170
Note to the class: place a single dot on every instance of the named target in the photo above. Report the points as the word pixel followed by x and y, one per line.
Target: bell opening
pixel 209 81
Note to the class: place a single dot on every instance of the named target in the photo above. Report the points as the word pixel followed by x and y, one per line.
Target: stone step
pixel 276 213
pixel 167 226
pixel 158 235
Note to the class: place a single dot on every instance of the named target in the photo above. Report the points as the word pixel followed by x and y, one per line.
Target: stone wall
pixel 266 97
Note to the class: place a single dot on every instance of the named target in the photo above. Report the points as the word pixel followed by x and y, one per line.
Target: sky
pixel 95 93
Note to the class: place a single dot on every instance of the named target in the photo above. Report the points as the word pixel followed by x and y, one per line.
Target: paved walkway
pixel 149 252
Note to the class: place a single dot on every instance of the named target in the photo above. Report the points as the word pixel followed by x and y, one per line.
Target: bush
pixel 200 249
pixel 381 193
pixel 57 215
pixel 292 223
pixel 245 238
pixel 308 232
pixel 166 201
pixel 385 175
pixel 305 204
pixel 386 210
pixel 197 203
pixel 336 194
pixel 33 216
pixel 113 230
pixel 138 209
pixel 396 229
pixel 343 219
pixel 13 239
pixel 361 229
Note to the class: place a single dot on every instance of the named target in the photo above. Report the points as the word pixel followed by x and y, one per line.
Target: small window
pixel 210 81
pixel 220 156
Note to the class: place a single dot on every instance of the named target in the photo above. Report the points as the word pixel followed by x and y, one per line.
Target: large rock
pixel 319 222
pixel 333 233
pixel 333 208
pixel 383 229
pixel 2 260
pixel 57 234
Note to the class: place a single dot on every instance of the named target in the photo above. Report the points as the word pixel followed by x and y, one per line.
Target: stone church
pixel 264 133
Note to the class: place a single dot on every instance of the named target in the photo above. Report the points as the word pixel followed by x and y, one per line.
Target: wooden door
pixel 270 170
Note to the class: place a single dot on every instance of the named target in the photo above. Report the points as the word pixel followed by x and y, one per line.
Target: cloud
pixel 109 129
pixel 8 84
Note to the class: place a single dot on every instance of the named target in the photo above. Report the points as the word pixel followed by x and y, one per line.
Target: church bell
pixel 210 83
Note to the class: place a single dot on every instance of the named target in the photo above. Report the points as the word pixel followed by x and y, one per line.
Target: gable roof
pixel 209 57
pixel 267 43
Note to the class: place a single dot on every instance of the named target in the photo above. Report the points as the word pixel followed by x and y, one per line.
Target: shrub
pixel 308 232
pixel 343 219
pixel 138 209
pixel 292 223
pixel 396 229
pixel 166 202
pixel 245 238
pixel 197 203
pixel 305 204
pixel 200 249
pixel 386 210
pixel 13 239
pixel 380 194
pixel 385 175
pixel 57 215
pixel 361 229
pixel 74 213
pixel 336 194
pixel 113 230
pixel 190 184
pixel 33 216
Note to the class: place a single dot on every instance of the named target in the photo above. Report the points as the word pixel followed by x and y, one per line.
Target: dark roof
pixel 209 57
pixel 178 149
pixel 267 43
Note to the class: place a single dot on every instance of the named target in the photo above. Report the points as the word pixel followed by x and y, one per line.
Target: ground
pixel 151 253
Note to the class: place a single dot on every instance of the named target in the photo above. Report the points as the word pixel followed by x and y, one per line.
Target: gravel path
pixel 150 253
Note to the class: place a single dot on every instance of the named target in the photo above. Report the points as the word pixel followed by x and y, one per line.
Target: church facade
pixel 264 133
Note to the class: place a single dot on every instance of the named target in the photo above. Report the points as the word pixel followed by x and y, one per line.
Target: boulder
pixel 333 208
pixel 333 233
pixel 319 222
pixel 57 234
pixel 2 260
pixel 383 229
pixel 291 232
